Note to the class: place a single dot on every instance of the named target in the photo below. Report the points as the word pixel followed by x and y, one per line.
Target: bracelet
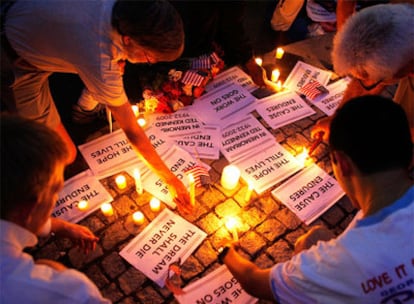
pixel 222 252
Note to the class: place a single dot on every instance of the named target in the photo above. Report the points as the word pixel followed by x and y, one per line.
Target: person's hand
pixel 81 236
pixel 181 196
pixel 322 125
pixel 258 75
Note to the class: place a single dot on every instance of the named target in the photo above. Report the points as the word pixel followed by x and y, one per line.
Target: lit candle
pixel 275 75
pixel 138 217
pixel 141 121
pixel 155 204
pixel 106 209
pixel 279 53
pixel 135 109
pixel 279 86
pixel 302 157
pixel 259 61
pixel 191 181
pixel 83 205
pixel 120 181
pixel 248 192
pixel 230 177
pixel 231 225
pixel 138 183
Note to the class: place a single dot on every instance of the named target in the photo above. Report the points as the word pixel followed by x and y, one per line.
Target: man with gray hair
pixel 375 47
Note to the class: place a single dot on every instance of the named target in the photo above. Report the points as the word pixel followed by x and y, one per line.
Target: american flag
pixel 193 78
pixel 313 89
pixel 200 174
pixel 214 57
pixel 201 63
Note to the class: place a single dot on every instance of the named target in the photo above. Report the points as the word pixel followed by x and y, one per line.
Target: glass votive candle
pixel 230 177
pixel 138 217
pixel 120 181
pixel 279 53
pixel 155 204
pixel 107 209
pixel 83 205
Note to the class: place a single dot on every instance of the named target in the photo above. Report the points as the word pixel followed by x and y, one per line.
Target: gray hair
pixel 375 42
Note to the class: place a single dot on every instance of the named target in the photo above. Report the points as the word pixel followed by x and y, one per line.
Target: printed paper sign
pixel 221 104
pixel 83 186
pixel 218 286
pixel 229 76
pixel 243 137
pixel 265 168
pixel 166 239
pixel 112 153
pixel 279 110
pixel 178 161
pixel 302 73
pixel 176 124
pixel 329 103
pixel 309 193
pixel 205 144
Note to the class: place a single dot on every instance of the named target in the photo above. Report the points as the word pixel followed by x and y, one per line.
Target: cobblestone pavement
pixel 267 235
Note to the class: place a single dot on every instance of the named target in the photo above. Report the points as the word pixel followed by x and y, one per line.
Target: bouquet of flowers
pixel 182 85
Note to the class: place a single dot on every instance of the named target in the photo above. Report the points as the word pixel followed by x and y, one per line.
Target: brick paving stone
pixel 287 218
pixel 113 235
pixel 96 275
pixel 78 258
pixel 150 295
pixel 280 251
pixel 209 223
pixel 333 215
pixel 131 280
pixel 112 292
pixel 191 268
pixel 206 254
pixel 271 229
pixel 252 242
pixel 113 264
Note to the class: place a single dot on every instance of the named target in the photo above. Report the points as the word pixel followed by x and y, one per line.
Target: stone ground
pixel 269 229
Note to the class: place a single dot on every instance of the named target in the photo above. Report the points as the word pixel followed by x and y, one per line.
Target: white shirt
pixel 23 281
pixel 71 37
pixel 371 262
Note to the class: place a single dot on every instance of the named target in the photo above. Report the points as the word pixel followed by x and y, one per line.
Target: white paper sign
pixel 178 161
pixel 233 75
pixel 329 103
pixel 309 193
pixel 279 110
pixel 221 104
pixel 205 144
pixel 302 73
pixel 246 135
pixel 176 124
pixel 83 186
pixel 218 286
pixel 265 168
pixel 166 239
pixel 112 153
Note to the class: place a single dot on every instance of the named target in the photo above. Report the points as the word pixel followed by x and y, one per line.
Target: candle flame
pixel 231 223
pixel 259 61
pixel 302 157
pixel 141 121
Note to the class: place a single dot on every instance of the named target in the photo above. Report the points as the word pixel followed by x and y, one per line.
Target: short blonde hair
pixel 376 42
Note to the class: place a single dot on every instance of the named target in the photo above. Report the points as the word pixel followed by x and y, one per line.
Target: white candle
pixel 138 183
pixel 155 204
pixel 83 205
pixel 138 217
pixel 248 192
pixel 141 121
pixel 135 109
pixel 231 225
pixel 279 53
pixel 120 181
pixel 191 181
pixel 230 177
pixel 259 61
pixel 106 209
pixel 275 75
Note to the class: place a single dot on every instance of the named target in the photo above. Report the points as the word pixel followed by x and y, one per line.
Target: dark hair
pixel 374 132
pixel 154 24
pixel 30 152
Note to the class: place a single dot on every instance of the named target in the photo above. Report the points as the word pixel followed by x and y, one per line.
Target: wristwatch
pixel 222 252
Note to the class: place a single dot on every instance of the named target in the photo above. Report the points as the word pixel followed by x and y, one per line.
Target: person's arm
pixel 139 140
pixel 254 280
pixel 354 89
pixel 80 235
